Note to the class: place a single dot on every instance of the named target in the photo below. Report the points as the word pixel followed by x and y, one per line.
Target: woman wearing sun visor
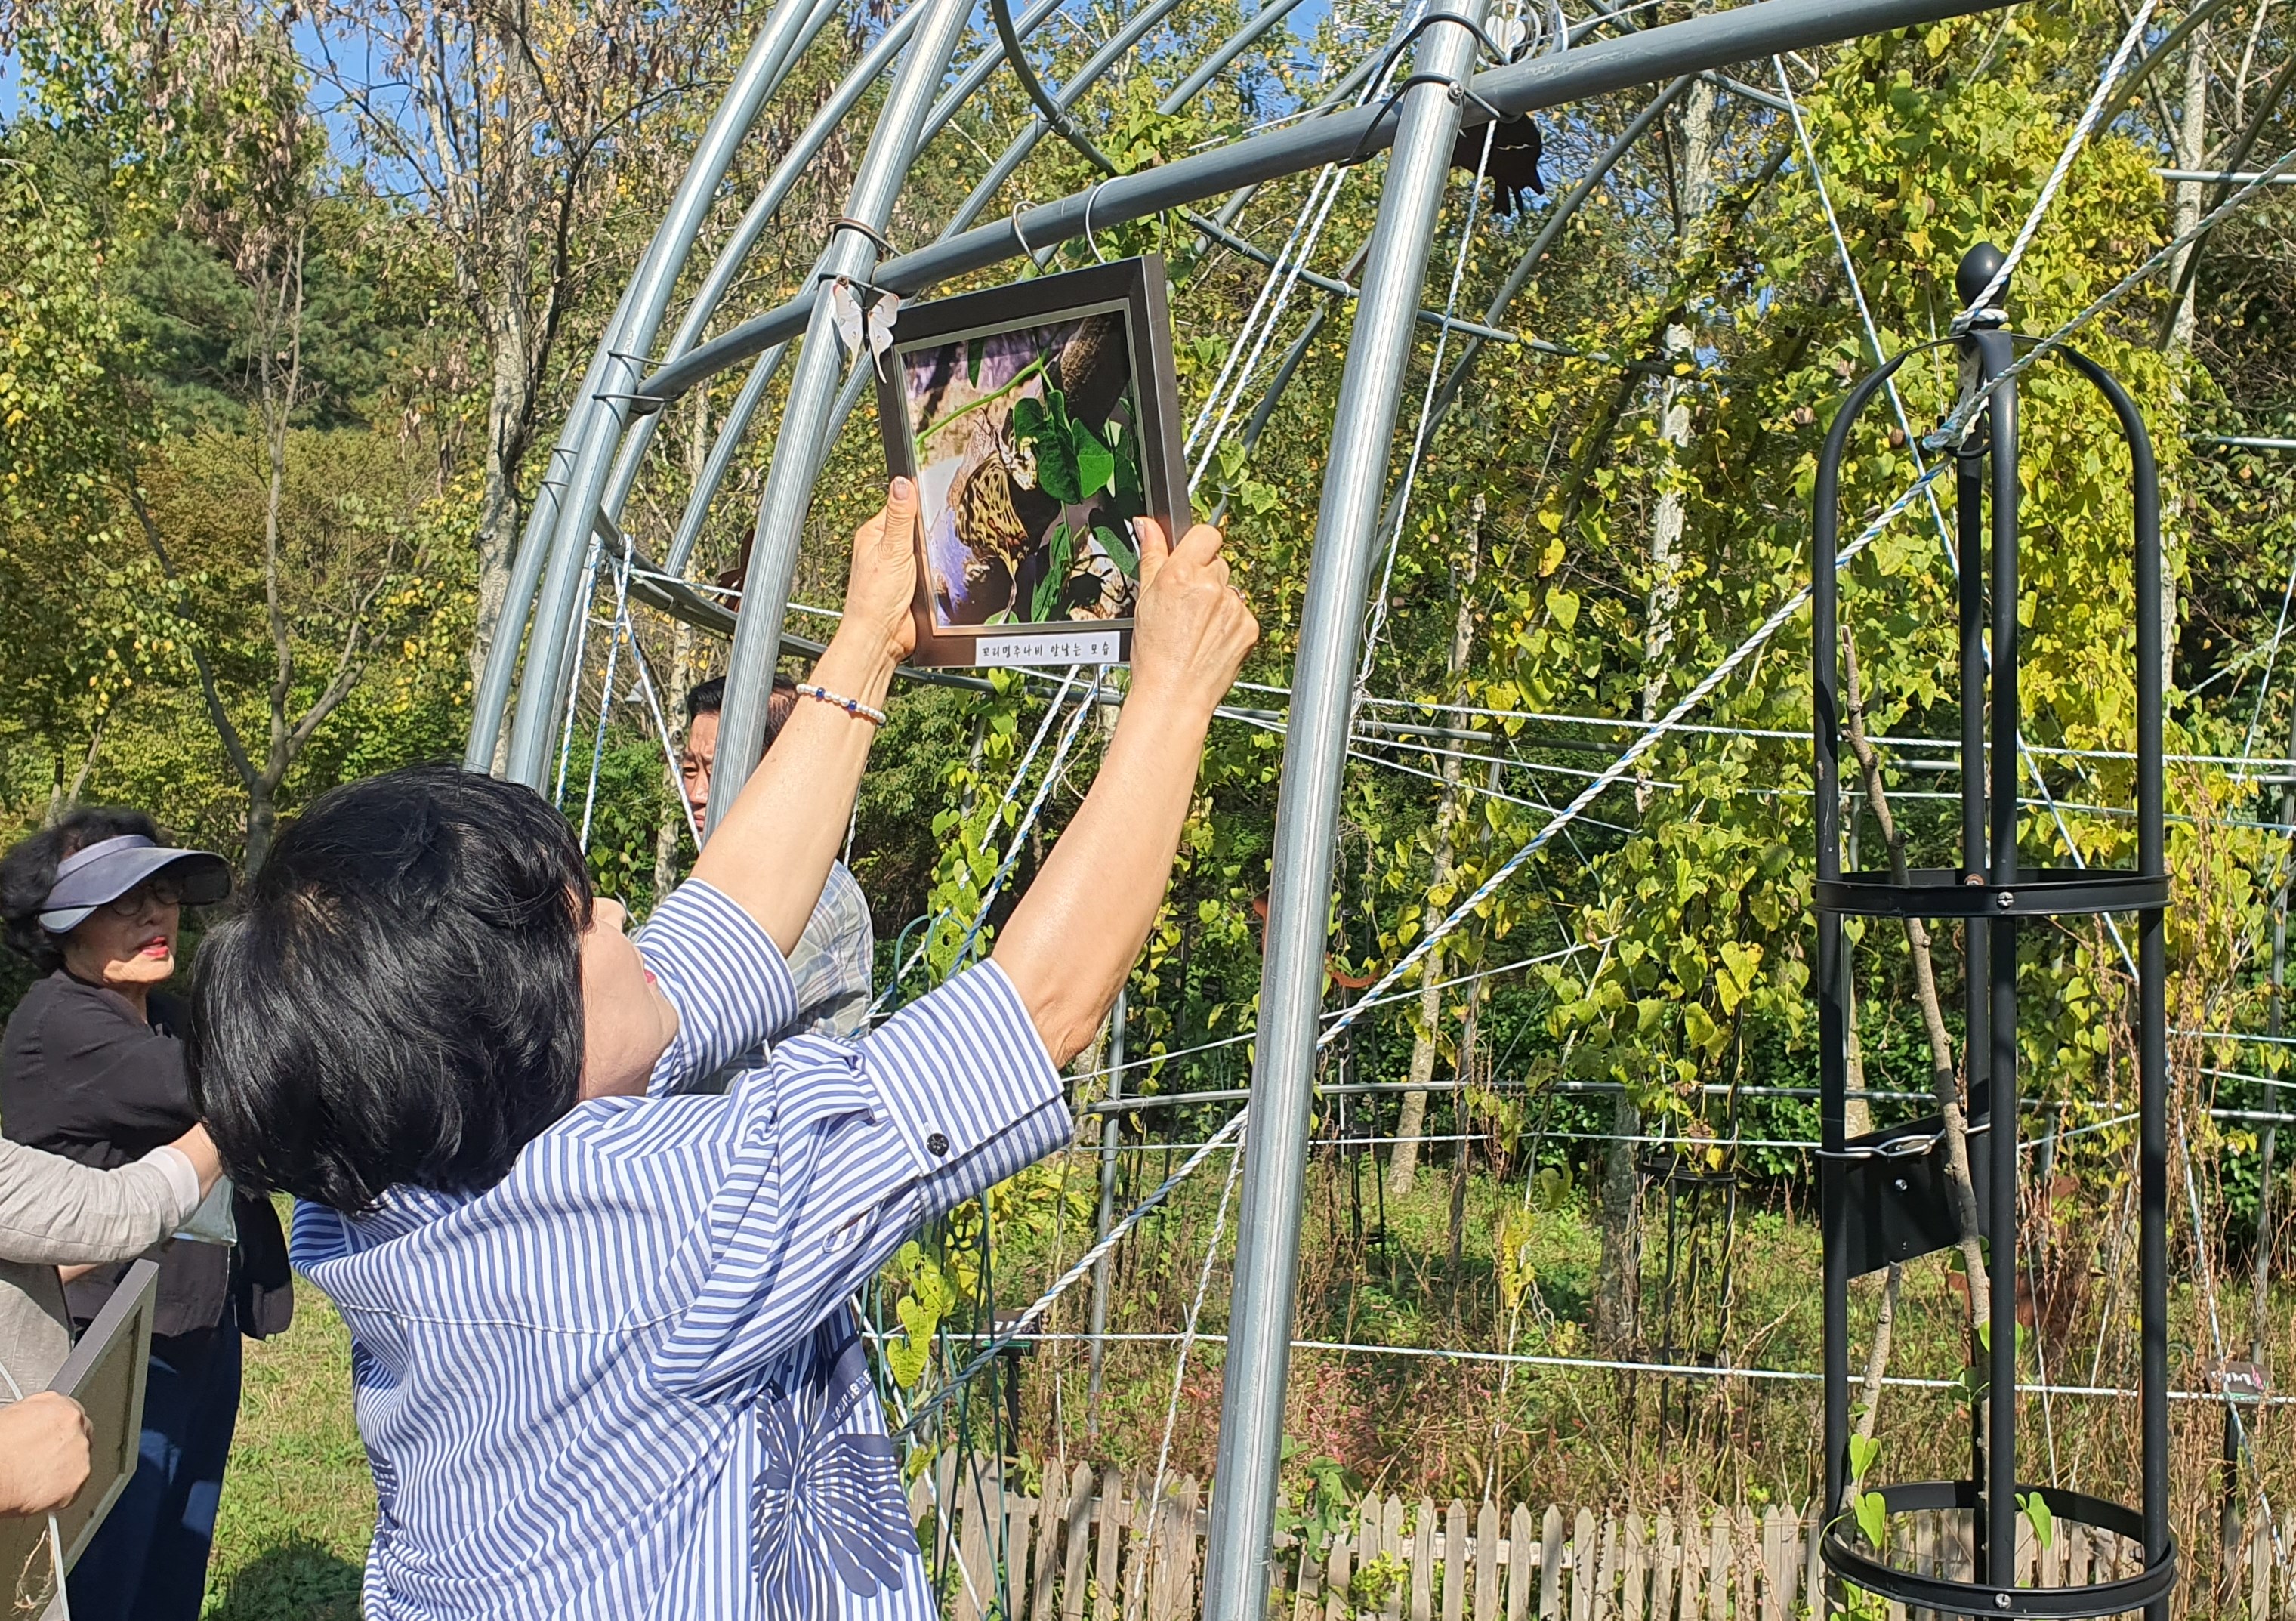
pixel 91 1068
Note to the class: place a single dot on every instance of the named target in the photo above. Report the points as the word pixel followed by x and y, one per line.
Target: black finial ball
pixel 1977 268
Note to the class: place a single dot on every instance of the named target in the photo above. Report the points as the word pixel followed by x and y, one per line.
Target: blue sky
pixel 1303 22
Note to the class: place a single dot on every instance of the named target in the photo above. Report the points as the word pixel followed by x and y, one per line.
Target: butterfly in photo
pixel 845 306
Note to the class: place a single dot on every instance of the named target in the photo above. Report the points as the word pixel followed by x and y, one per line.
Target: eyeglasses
pixel 165 891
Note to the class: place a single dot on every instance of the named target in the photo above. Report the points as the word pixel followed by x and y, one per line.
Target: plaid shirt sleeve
pixel 834 962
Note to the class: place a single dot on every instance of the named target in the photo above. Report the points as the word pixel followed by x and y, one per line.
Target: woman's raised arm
pixel 1077 931
pixel 772 851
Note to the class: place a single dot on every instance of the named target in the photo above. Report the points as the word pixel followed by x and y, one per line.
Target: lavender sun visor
pixel 108 869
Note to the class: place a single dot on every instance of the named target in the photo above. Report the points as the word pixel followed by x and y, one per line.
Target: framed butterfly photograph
pixel 1039 421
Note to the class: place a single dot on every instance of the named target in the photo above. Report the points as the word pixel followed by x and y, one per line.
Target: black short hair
pixel 27 872
pixel 399 1000
pixel 710 697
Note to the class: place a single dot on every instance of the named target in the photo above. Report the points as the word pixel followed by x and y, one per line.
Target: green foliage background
pixel 132 182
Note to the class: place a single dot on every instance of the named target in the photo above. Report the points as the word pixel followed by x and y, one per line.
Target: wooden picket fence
pixel 1088 1551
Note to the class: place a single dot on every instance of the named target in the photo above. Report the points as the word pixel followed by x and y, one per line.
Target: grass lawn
pixel 297 1503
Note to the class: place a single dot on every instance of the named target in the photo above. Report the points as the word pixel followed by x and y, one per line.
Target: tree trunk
pixel 1665 594
pixel 2192 153
pixel 1696 195
pixel 1403 1162
pixel 1944 1078
pixel 1470 1075
pixel 64 797
pixel 1617 1288
pixel 509 414
pixel 1697 188
pixel 1856 1111
pixel 279 374
pixel 1877 1354
pixel 262 825
pixel 1617 1294
pixel 496 270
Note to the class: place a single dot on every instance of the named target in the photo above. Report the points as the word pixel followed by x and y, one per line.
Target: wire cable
pixel 1635 751
pixel 2088 121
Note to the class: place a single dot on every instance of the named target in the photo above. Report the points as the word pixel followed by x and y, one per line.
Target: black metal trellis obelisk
pixel 1884 1194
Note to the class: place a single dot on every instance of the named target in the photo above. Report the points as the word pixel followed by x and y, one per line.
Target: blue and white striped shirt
pixel 627 1381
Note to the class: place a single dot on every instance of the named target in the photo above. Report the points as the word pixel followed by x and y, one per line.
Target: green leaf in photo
pixel 1130 500
pixel 1119 550
pixel 1045 426
pixel 974 349
pixel 1058 554
pixel 1095 462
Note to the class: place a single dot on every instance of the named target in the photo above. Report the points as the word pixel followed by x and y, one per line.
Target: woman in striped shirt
pixel 604 1356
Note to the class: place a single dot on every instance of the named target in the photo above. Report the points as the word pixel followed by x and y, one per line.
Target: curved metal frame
pixel 1766 27
pixel 1944 1596
pixel 613 372
pixel 593 466
pixel 806 420
pixel 1990 892
pixel 1314 749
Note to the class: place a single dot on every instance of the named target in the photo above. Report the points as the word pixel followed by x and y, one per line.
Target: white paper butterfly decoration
pixel 845 306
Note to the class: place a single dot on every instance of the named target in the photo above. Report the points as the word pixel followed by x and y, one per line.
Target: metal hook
pixel 860 284
pixel 1467 93
pixel 1019 235
pixel 1451 87
pixel 1429 21
pixel 846 222
pixel 1090 241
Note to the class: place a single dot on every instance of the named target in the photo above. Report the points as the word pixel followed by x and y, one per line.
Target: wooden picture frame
pixel 106 1374
pixel 1025 551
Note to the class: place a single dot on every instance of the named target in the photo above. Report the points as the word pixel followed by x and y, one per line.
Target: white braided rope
pixel 622 627
pixel 1423 433
pixel 1011 794
pixel 1067 1280
pixel 1085 707
pixel 1282 278
pixel 1227 388
pixel 1951 431
pixel 2080 137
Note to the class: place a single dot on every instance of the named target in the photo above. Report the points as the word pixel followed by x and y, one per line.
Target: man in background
pixel 834 959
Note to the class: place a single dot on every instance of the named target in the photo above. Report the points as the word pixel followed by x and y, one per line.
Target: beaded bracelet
pixel 851 706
